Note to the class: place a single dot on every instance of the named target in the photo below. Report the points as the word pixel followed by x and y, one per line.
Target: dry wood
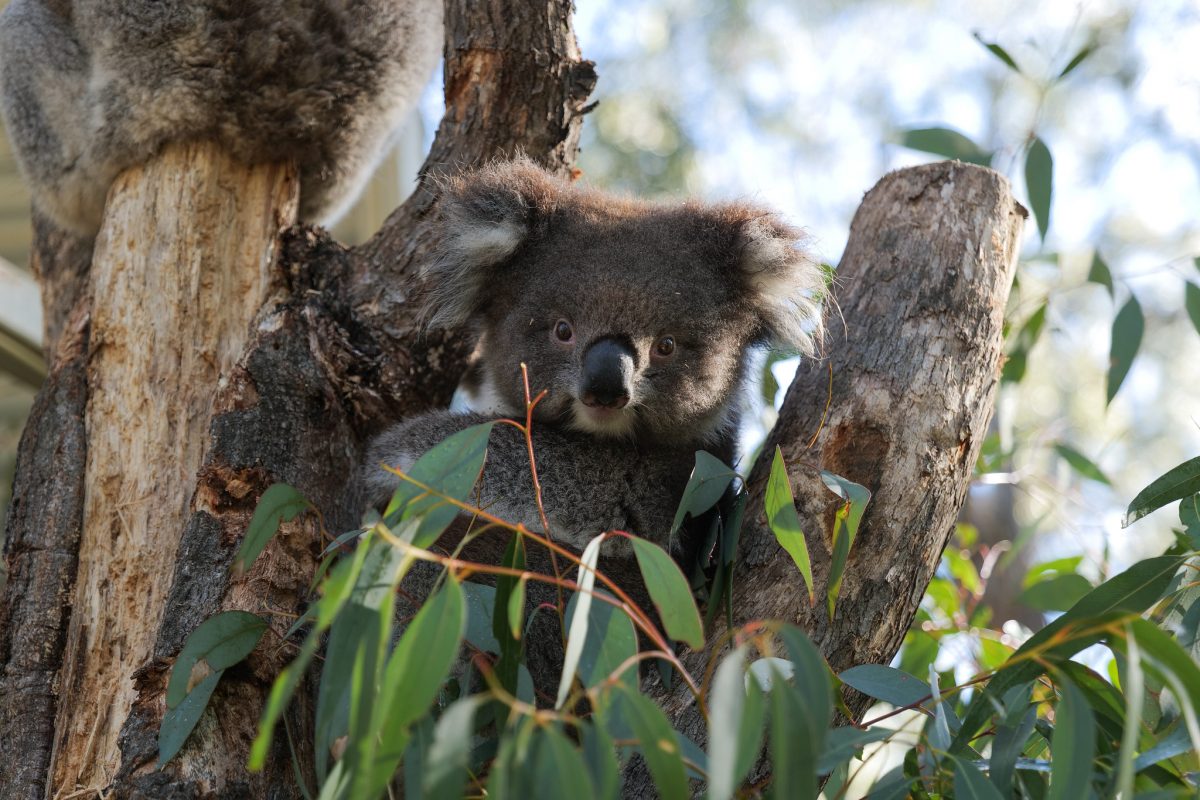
pixel 181 264
pixel 914 354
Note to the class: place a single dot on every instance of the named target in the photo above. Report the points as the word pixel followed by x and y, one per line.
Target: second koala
pixel 635 317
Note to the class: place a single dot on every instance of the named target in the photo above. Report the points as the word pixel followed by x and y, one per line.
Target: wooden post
pixel 182 264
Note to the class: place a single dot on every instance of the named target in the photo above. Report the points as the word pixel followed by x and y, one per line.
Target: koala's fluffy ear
pixel 785 283
pixel 486 214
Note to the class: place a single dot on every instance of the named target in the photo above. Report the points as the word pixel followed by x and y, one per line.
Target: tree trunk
pixel 181 264
pixel 331 357
pixel 914 360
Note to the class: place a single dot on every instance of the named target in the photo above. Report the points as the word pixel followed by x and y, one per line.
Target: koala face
pixel 634 317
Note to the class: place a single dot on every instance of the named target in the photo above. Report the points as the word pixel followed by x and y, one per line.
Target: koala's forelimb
pixel 589 486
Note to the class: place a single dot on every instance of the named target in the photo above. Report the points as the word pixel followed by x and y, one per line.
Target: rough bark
pixel 914 358
pixel 331 357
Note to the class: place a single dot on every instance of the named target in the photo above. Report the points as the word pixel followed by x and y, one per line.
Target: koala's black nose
pixel 607 374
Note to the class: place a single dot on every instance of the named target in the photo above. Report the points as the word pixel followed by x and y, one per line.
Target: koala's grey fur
pixel 89 88
pixel 521 250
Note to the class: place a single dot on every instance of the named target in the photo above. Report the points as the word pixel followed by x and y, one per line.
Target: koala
pixel 635 318
pixel 89 88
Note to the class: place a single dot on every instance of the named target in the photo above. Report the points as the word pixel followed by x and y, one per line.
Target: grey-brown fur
pixel 91 87
pixel 521 250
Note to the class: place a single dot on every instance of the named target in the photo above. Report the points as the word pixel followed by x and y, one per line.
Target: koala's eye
pixel 563 331
pixel 664 346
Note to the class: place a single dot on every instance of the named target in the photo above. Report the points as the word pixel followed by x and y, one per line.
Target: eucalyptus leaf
pixel 220 641
pixel 887 684
pixel 657 743
pixel 1191 301
pixel 1072 747
pixel 279 503
pixel 709 479
pixel 577 633
pixel 452 468
pixel 179 722
pixel 1100 273
pixel 1127 331
pixel 946 143
pixel 1081 463
pixel 734 726
pixel 1039 182
pixel 1176 484
pixel 999 52
pixel 784 522
pixel 670 593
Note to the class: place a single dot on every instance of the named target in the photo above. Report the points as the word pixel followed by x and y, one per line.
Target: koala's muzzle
pixel 607 374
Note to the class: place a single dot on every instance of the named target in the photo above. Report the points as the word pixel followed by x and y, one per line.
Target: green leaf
pixel 356 649
pixel 1072 746
pixel 451 468
pixel 178 722
pixel 446 765
pixel 1127 331
pixel 1018 355
pixel 1189 518
pixel 946 143
pixel 969 783
pixel 1172 663
pixel 846 743
pixel 887 684
pixel 559 767
pixel 1057 593
pixel 1191 301
pixel 580 621
pixel 336 591
pixel 785 523
pixel 709 479
pixel 600 756
pixel 279 503
pixel 1176 484
pixel 800 715
pixel 999 52
pixel 1012 733
pixel 281 694
pixel 1176 743
pixel 611 641
pixel 414 674
pixel 481 602
pixel 220 641
pixel 1100 273
pixel 845 528
pixel 1039 182
pixel 670 593
pixel 1131 592
pixel 1081 463
pixel 734 726
pixel 1077 59
pixel 658 744
pixel 423 657
pixel 506 620
pixel 1133 683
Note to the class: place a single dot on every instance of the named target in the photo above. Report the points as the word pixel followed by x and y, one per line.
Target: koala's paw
pixel 393 448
